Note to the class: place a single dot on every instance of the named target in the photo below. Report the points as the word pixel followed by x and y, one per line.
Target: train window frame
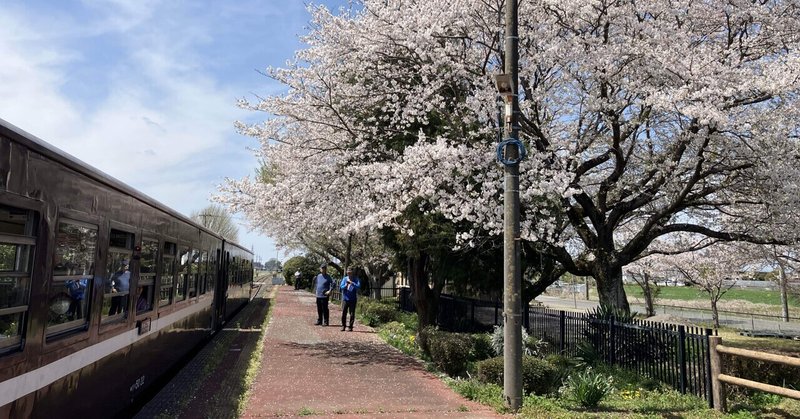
pixel 204 267
pixel 184 270
pixel 119 265
pixel 147 280
pixel 85 283
pixel 168 252
pixel 22 274
pixel 193 285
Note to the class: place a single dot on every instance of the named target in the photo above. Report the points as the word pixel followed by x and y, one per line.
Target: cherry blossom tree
pixel 642 119
pixel 714 270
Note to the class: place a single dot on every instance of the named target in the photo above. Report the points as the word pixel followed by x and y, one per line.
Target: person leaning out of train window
pixel 349 286
pixel 120 284
pixel 323 284
pixel 77 291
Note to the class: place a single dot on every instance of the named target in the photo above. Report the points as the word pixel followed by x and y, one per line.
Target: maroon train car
pixel 102 289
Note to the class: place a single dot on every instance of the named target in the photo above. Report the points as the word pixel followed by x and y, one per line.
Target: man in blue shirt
pixel 323 284
pixel 350 285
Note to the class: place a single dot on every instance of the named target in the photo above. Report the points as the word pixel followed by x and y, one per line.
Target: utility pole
pixel 510 152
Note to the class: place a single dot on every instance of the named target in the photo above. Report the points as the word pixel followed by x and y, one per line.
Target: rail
pixel 719 379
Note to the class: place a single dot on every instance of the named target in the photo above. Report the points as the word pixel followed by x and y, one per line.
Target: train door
pixel 221 290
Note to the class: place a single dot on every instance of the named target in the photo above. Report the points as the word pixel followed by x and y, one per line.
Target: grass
pixel 633 397
pixel 731 337
pixel 691 293
pixel 630 400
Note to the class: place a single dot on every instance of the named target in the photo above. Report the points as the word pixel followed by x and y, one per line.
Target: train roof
pixel 52 152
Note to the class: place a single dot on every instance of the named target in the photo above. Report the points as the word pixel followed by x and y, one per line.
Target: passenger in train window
pixel 141 303
pixel 323 284
pixel 120 284
pixel 77 291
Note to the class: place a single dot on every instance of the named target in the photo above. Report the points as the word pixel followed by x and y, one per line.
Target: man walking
pixel 323 284
pixel 350 285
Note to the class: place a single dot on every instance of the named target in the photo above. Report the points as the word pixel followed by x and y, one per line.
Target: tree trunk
pixel 782 284
pixel 425 299
pixel 714 313
pixel 610 288
pixel 649 302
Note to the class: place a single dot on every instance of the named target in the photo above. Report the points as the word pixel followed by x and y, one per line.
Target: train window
pixel 117 276
pixel 194 275
pixel 17 239
pixel 167 274
pixel 232 271
pixel 73 273
pixel 203 272
pixel 212 271
pixel 183 274
pixel 147 276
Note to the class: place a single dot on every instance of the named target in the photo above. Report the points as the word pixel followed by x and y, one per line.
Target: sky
pixel 146 90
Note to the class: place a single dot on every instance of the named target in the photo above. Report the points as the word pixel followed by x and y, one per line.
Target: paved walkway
pixel 319 371
pixel 306 370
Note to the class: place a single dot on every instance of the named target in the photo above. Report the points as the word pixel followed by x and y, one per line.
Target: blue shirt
pixel 121 281
pixel 324 283
pixel 350 291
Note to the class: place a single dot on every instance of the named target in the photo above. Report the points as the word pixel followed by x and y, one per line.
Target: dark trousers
pixel 323 314
pixel 351 307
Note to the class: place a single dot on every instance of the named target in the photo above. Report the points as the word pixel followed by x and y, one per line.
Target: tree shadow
pixel 357 353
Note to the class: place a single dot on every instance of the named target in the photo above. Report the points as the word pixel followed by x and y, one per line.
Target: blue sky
pixel 145 90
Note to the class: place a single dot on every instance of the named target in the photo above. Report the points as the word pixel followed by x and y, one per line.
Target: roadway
pixel 751 324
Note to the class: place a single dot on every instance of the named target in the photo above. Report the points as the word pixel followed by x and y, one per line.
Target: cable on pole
pixel 501 155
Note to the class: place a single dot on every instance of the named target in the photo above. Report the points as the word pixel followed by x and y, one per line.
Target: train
pixel 103 290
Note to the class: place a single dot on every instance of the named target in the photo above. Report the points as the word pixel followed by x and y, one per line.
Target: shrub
pixel 408 319
pixel 374 312
pixel 424 338
pixel 481 347
pixel 450 351
pixel 564 365
pixel 588 387
pixel 538 376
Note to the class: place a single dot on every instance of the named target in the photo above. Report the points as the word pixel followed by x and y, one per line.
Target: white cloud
pixel 145 90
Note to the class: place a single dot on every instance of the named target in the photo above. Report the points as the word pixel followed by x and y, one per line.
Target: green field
pixel 692 293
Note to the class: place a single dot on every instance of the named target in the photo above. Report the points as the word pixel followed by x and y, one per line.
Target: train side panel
pixel 95 353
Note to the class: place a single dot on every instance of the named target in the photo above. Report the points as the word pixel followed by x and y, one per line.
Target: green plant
pixel 397 335
pixel 450 351
pixel 374 312
pixel 531 345
pixel 588 387
pixel 481 347
pixel 484 393
pixel 538 375
pixel 424 337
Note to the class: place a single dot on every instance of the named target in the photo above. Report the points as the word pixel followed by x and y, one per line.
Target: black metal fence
pixel 673 354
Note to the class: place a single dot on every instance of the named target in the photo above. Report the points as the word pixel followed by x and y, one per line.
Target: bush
pixel 588 387
pixel 397 335
pixel 450 351
pixel 481 347
pixel 374 312
pixel 424 338
pixel 538 376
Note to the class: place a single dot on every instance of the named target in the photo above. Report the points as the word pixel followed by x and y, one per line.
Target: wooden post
pixel 717 386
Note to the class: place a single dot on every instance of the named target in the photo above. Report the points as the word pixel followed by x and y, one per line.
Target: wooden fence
pixel 719 379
